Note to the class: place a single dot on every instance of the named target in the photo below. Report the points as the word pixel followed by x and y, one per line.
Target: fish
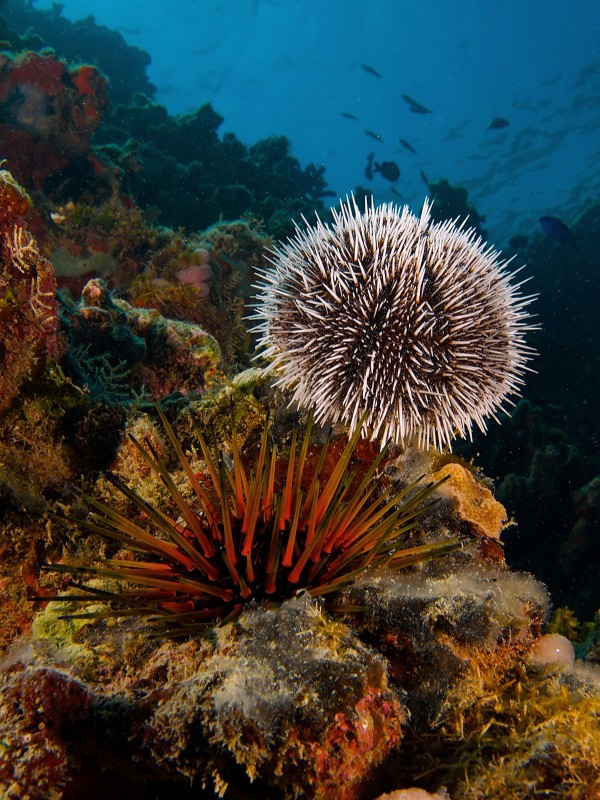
pixel 395 191
pixel 424 178
pixel 371 71
pixel 518 242
pixel 369 167
pixel 415 107
pixel 556 229
pixel 374 135
pixel 388 170
pixel 348 115
pixel 454 133
pixel 407 145
pixel 497 123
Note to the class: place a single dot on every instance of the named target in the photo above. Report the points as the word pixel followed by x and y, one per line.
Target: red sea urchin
pixel 406 325
pixel 259 534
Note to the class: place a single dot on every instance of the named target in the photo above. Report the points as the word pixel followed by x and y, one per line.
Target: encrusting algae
pixel 473 501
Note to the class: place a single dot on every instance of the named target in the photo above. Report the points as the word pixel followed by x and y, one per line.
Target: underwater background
pixel 295 68
pixel 492 110
pixel 156 152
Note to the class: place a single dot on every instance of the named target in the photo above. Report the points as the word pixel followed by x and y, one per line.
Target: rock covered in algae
pixel 488 719
pixel 413 794
pixel 294 699
pixel 541 738
pixel 437 629
pixel 287 702
pixel 285 699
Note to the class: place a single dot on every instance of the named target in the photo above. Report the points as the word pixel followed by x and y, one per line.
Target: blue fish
pixel 371 70
pixel 556 229
pixel 414 106
pixel 497 123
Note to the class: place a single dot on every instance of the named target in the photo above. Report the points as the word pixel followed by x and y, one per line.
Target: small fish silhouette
pixel 369 167
pixel 556 229
pixel 416 107
pixel 425 179
pixel 388 170
pixel 348 115
pixel 395 191
pixel 374 135
pixel 497 123
pixel 371 70
pixel 407 145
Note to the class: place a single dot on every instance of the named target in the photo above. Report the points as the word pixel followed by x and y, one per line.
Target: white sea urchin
pixel 411 326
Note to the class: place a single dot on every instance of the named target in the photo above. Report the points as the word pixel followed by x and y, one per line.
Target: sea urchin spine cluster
pixel 259 535
pixel 392 321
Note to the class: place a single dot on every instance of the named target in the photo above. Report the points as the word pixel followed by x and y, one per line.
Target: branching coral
pixel 28 309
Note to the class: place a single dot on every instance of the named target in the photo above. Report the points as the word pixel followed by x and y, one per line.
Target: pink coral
pixel 198 274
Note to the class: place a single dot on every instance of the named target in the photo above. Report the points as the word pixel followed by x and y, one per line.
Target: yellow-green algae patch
pixel 55 636
pixel 523 736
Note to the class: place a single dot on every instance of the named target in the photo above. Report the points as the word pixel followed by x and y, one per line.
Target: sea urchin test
pixel 409 326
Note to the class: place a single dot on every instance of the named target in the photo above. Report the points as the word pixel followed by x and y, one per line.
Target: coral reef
pixel 195 179
pixel 544 737
pixel 294 700
pixel 484 712
pixel 202 278
pixel 206 280
pixel 176 166
pixel 39 706
pixel 288 703
pixel 28 307
pixel 109 240
pixel 26 27
pixel 49 114
pixel 452 202
pixel 438 628
pixel 120 353
pixel 418 686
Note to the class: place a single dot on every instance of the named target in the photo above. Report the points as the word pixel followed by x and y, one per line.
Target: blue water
pixel 293 66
